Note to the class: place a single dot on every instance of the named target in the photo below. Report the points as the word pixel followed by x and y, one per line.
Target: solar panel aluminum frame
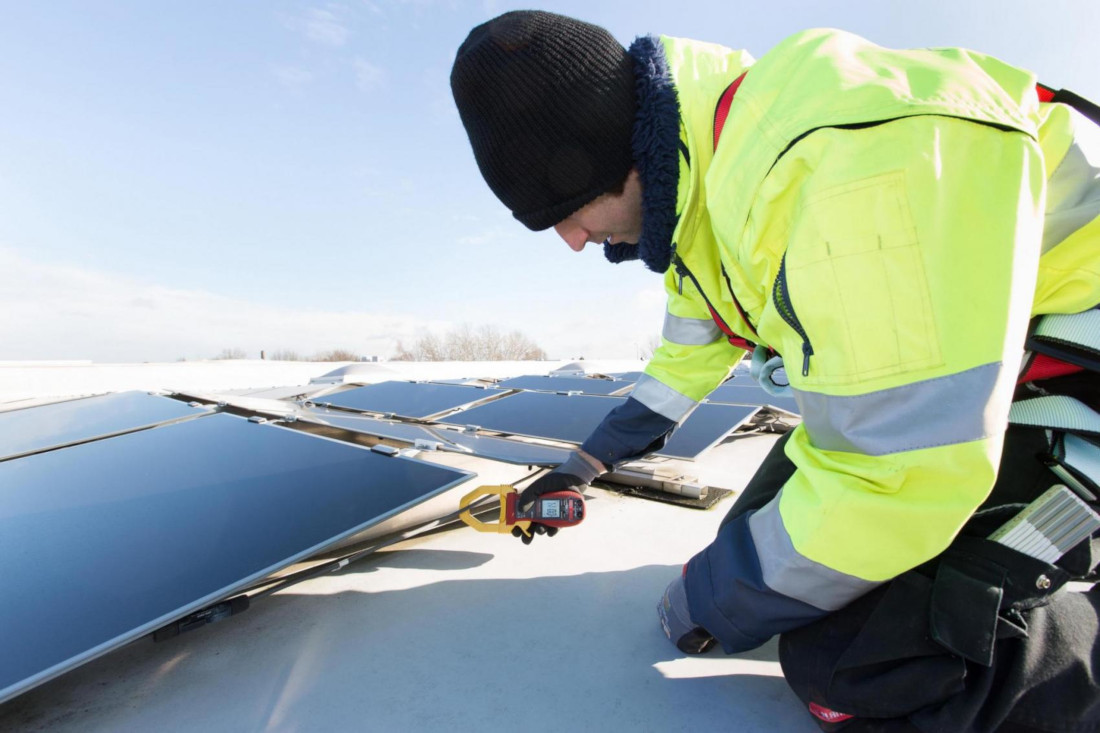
pixel 565 384
pixel 58 668
pixel 452 439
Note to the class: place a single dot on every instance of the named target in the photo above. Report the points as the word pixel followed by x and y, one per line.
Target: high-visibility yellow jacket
pixel 889 221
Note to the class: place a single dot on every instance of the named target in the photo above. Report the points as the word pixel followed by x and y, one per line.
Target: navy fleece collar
pixel 655 144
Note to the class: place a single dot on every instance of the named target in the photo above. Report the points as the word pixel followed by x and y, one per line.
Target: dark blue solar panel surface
pixel 572 418
pixel 46 426
pixel 750 395
pixel 706 425
pixel 564 384
pixel 497 449
pixel 541 415
pixel 105 541
pixel 407 399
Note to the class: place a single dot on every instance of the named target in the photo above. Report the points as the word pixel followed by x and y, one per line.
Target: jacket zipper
pixel 681 272
pixel 781 296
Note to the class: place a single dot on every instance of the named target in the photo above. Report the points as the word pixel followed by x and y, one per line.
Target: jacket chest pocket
pixel 854 284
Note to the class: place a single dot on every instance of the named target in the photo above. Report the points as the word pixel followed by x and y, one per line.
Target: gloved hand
pixel 575 474
pixel 676 622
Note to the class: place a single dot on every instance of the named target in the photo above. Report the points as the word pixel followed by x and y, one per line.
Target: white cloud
pixel 292 76
pixel 368 76
pixel 320 26
pixel 62 312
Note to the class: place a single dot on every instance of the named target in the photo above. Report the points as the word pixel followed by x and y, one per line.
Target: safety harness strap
pixel 721 112
pixel 1072 431
pixel 1058 412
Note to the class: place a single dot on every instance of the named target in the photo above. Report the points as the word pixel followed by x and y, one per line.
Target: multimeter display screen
pixel 551 509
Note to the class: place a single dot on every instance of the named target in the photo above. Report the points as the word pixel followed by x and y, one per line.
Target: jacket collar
pixel 655 144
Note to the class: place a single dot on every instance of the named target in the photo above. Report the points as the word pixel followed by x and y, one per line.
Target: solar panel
pixel 106 541
pixel 484 446
pixel 751 395
pixel 706 425
pixel 35 429
pixel 564 384
pixel 571 418
pixel 407 399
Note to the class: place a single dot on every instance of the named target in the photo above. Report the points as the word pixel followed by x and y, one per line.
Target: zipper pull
pixel 681 268
pixel 807 352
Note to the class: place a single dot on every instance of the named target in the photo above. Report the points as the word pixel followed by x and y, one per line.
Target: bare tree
pixel 465 343
pixel 285 355
pixel 232 354
pixel 337 355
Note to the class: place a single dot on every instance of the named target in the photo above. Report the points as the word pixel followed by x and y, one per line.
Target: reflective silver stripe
pixel 1055 411
pixel 1082 329
pixel 690 331
pixel 1073 191
pixel 787 571
pixel 954 409
pixel 662 399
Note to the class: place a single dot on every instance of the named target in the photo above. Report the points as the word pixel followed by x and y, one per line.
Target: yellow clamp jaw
pixel 501 526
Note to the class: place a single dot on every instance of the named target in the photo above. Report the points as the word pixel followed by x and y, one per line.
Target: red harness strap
pixel 734 339
pixel 722 111
pixel 1046 367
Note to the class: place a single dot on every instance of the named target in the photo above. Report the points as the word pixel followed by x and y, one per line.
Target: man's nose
pixel 576 237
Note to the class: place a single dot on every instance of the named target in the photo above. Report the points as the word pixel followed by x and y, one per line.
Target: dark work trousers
pixel 982 638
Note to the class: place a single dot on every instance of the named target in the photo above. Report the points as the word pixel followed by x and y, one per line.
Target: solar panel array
pixel 146 508
pixel 544 407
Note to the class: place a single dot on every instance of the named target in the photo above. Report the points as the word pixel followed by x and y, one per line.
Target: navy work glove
pixel 575 474
pixel 676 622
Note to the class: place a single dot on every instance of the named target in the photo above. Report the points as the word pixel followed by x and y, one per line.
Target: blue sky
pixel 181 178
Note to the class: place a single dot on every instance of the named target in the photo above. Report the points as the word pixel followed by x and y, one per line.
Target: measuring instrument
pixel 555 509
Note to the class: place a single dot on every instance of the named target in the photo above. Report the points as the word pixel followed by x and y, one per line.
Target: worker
pixel 889 225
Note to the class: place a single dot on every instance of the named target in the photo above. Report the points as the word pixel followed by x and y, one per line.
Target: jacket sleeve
pixel 693 358
pixel 910 270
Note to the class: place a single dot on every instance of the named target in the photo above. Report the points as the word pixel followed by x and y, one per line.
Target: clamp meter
pixel 556 509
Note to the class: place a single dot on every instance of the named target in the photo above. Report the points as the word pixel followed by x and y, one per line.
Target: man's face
pixel 609 217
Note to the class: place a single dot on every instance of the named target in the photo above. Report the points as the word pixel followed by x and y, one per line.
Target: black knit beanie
pixel 548 103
